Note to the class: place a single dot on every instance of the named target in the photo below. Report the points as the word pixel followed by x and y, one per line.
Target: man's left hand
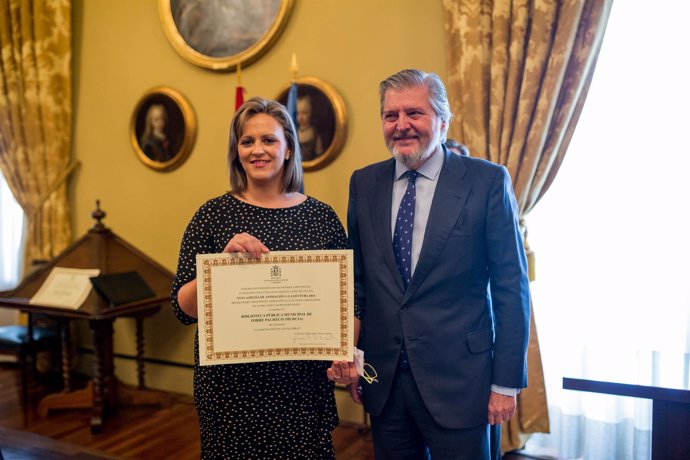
pixel 501 408
pixel 343 372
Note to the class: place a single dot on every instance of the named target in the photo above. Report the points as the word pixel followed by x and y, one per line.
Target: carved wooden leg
pixel 104 392
pixel 104 385
pixel 66 352
pixel 140 353
pixel 24 384
pixel 141 395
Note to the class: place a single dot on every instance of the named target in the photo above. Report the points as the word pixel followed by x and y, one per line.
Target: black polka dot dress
pixel 269 410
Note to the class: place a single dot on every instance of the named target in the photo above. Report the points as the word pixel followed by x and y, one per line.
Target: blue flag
pixel 292 103
pixel 292 110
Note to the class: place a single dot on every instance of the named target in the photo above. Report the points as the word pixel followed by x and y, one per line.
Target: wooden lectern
pixel 100 248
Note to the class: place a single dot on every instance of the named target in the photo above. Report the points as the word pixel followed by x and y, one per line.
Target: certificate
pixel 286 305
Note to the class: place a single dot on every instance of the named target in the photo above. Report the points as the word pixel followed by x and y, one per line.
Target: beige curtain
pixel 36 117
pixel 519 72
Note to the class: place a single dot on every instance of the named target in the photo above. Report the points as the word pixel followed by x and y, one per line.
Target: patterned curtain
pixel 36 117
pixel 519 72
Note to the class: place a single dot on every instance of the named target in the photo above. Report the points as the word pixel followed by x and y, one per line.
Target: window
pixel 612 237
pixel 11 237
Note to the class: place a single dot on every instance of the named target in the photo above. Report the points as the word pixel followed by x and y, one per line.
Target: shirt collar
pixel 429 169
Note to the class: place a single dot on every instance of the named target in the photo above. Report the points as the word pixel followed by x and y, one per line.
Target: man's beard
pixel 415 159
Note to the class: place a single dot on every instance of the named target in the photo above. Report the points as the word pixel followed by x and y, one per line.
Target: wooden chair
pixel 25 342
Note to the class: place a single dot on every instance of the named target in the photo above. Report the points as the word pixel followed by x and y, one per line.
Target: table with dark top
pixel 670 411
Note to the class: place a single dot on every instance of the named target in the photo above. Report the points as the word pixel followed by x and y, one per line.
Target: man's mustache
pixel 407 134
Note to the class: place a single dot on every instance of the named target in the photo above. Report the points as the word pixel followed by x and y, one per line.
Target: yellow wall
pixel 120 51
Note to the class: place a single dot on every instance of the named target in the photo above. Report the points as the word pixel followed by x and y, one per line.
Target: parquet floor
pixel 145 432
pixel 134 433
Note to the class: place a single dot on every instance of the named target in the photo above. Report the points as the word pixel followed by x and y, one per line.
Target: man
pixel 443 316
pixel 456 147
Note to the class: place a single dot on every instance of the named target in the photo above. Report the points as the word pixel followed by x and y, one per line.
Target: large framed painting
pixel 220 34
pixel 321 121
pixel 163 129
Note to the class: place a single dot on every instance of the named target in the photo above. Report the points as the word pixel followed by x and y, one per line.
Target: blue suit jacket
pixel 465 315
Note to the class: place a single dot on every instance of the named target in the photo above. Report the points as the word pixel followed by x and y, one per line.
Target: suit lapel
pixel 380 200
pixel 449 200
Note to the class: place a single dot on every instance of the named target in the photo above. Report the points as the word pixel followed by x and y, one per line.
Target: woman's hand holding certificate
pixel 246 243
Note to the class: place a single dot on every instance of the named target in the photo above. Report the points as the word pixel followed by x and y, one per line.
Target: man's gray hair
pixel 409 78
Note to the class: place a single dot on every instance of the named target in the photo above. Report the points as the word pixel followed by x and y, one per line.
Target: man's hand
pixel 501 408
pixel 355 392
pixel 343 372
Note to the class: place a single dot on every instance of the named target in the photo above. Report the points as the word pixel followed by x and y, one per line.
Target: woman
pixel 281 409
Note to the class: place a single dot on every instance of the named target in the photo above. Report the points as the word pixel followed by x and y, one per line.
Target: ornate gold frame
pixel 338 105
pixel 247 56
pixel 189 121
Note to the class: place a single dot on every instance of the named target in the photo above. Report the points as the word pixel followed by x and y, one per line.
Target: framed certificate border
pixel 210 353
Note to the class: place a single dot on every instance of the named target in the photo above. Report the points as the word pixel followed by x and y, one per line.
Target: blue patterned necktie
pixel 402 237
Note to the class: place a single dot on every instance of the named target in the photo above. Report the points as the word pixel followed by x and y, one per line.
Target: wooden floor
pixel 134 433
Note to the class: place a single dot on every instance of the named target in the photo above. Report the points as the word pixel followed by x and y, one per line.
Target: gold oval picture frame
pixel 163 110
pixel 221 34
pixel 321 120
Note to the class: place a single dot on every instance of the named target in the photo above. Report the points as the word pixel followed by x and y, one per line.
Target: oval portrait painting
pixel 163 129
pixel 321 121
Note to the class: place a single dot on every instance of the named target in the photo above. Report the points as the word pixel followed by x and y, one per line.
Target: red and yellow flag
pixel 239 91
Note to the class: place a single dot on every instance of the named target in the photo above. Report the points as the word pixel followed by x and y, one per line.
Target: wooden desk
pixel 104 392
pixel 670 413
pixel 100 248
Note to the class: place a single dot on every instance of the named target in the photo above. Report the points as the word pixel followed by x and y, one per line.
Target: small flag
pixel 239 92
pixel 292 93
pixel 292 110
pixel 292 103
pixel 239 97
